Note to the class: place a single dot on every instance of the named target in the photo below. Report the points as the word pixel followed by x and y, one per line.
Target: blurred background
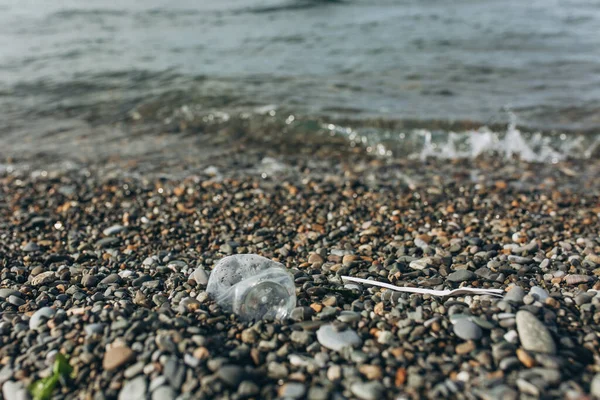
pixel 440 65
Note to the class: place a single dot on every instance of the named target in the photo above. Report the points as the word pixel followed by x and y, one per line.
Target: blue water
pixel 398 59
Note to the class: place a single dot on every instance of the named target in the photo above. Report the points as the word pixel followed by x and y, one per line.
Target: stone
pixel 231 375
pixel 538 293
pixel 332 339
pixel 164 393
pixel 174 371
pixel 595 386
pixel 134 389
pixel 533 334
pixel 14 391
pixel 43 278
pixel 248 389
pixel 200 276
pixel 15 300
pixel 31 247
pixel 367 391
pixel 461 275
pixel 117 356
pixel 91 329
pixel 515 295
pixel 39 318
pixel 467 330
pixel 292 390
pixel 113 230
pixel 107 242
pixel 6 293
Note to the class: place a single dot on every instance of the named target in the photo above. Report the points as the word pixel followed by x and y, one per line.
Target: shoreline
pixel 486 222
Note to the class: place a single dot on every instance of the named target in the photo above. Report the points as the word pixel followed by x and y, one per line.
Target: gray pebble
pixel 14 391
pixel 134 389
pixel 368 391
pixel 200 276
pixel 330 338
pixel 515 295
pixel 174 371
pixel 113 230
pixel 92 329
pixel 533 334
pixel 5 293
pixel 462 275
pixel 467 330
pixel 595 386
pixel 31 247
pixel 292 390
pixel 231 375
pixel 39 317
pixel 164 393
pixel 539 293
pixel 15 301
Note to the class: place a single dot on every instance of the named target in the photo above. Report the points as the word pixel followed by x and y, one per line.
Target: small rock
pixel 367 391
pixel 6 293
pixel 533 334
pixel 43 278
pixel 164 393
pixel 200 276
pixel 330 338
pixel 292 390
pixel 92 329
pixel 15 301
pixel 538 293
pixel 174 371
pixel 14 391
pixel 461 275
pixel 134 389
pixel 515 295
pixel 467 330
pixel 31 247
pixel 117 356
pixel 231 375
pixel 113 230
pixel 39 318
pixel 595 386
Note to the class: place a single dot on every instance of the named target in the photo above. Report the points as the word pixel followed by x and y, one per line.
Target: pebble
pixel 117 356
pixel 231 375
pixel 174 371
pixel 16 301
pixel 43 278
pixel 538 293
pixel 113 230
pixel 31 247
pixel 515 295
pixel 6 293
pixel 533 334
pixel 368 390
pixel 39 318
pixel 467 330
pixel 332 339
pixel 164 393
pixel 134 389
pixel 14 391
pixel 595 386
pixel 292 390
pixel 200 276
pixel 92 329
pixel 462 275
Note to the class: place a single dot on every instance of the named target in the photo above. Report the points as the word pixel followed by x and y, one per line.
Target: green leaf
pixel 62 366
pixel 43 388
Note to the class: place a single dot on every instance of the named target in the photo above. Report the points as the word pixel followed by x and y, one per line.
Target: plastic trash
pixel 253 287
pixel 440 293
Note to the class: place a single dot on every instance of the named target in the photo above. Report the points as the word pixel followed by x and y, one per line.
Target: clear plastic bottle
pixel 253 287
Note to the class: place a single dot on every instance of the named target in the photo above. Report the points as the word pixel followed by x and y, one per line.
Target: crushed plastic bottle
pixel 253 287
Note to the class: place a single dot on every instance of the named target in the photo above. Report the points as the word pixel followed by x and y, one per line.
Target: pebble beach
pixel 107 263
